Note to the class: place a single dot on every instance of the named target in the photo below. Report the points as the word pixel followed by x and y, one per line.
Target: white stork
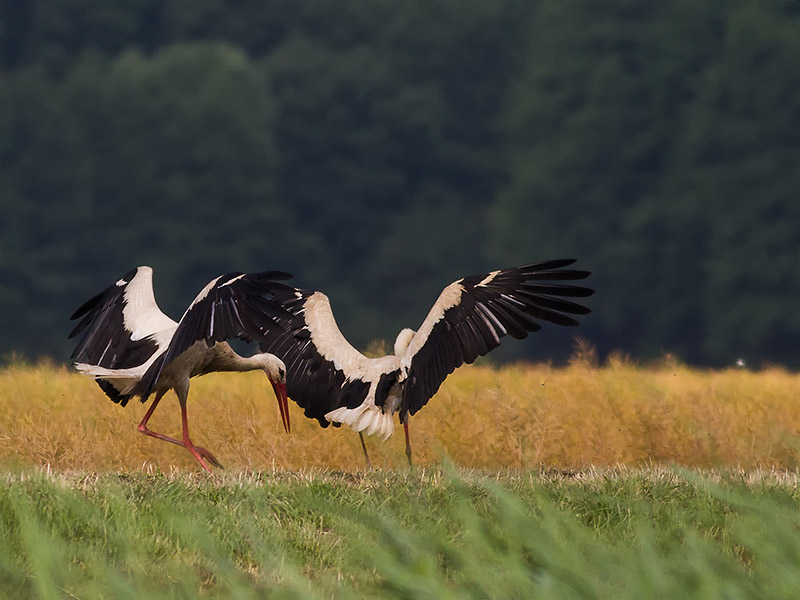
pixel 335 383
pixel 131 348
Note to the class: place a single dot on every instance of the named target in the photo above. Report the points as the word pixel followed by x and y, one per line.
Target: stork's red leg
pixel 408 444
pixel 364 448
pixel 143 424
pixel 198 452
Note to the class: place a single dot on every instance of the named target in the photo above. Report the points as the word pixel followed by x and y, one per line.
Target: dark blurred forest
pixel 379 150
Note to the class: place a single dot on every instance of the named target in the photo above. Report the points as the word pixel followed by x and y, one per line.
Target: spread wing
pixel 122 326
pixel 473 314
pixel 236 305
pixel 323 371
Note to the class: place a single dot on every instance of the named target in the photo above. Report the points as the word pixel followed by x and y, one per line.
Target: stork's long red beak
pixel 283 404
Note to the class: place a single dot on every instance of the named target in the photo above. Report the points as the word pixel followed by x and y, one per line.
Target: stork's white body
pixel 198 359
pixel 133 349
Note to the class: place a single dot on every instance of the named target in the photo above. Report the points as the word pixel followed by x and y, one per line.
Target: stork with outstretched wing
pixel 335 383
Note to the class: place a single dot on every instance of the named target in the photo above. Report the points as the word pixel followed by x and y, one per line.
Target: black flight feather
pixel 510 302
pixel 237 305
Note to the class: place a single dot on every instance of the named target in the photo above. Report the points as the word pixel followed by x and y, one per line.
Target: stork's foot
pixel 201 455
pixel 209 457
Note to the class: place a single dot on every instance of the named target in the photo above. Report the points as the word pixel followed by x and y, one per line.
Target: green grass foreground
pixel 433 533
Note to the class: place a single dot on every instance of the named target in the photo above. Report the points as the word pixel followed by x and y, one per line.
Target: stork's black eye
pixel 281 372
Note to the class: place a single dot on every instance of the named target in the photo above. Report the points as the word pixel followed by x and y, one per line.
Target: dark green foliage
pixel 652 139
pixel 380 151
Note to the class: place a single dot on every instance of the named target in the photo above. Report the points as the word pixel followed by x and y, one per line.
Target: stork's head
pixel 276 371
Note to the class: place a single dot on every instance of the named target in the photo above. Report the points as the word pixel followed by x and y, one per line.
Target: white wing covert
pixel 122 326
pixel 323 371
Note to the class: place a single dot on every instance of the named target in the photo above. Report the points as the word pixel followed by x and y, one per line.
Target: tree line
pixel 381 150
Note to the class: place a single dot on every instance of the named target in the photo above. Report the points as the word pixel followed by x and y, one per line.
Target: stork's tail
pixel 116 383
pixel 369 419
pixel 103 373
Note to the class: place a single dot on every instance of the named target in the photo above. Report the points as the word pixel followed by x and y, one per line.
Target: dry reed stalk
pixel 521 416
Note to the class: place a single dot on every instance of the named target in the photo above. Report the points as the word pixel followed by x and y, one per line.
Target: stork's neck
pixel 226 359
pixel 403 340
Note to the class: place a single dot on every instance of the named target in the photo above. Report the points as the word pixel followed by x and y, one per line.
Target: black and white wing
pixel 122 326
pixel 236 305
pixel 323 371
pixel 473 313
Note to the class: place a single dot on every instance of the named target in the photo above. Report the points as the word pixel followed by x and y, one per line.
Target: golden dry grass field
pixel 521 416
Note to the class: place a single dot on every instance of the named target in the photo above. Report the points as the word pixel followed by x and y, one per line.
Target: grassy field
pixel 521 417
pixel 432 533
pixel 533 482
